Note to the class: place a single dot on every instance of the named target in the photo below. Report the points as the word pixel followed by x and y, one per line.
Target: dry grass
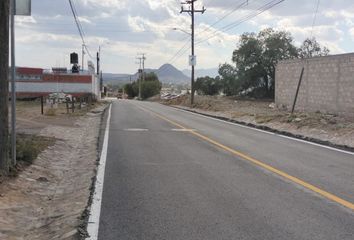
pixel 258 111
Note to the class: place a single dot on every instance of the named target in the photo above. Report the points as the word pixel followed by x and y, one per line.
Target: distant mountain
pixel 166 74
pixel 114 78
pixel 211 72
pixel 169 74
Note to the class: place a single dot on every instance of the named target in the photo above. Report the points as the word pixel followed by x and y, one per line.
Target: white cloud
pixel 132 26
pixel 351 32
pixel 84 20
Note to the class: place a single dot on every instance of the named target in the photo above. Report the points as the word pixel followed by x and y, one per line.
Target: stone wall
pixel 327 84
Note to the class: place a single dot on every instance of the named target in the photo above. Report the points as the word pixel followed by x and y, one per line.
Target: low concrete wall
pixel 327 84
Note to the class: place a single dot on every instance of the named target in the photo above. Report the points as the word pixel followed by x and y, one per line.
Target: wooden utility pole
pixel 143 58
pixel 140 71
pixel 191 11
pixel 4 86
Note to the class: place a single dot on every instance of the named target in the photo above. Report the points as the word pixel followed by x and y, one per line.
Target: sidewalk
pixel 48 199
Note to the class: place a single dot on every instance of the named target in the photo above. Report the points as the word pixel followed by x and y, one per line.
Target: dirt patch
pixel 47 199
pixel 331 128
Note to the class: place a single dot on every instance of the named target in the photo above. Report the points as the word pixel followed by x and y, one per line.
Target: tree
pixel 129 90
pixel 257 56
pixel 311 48
pixel 4 85
pixel 150 87
pixel 229 81
pixel 208 86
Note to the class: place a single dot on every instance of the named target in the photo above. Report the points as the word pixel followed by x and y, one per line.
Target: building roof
pixel 29 71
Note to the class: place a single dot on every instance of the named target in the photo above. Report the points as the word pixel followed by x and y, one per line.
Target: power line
pixel 176 56
pixel 230 26
pixel 315 17
pixel 248 17
pixel 244 3
pixel 79 27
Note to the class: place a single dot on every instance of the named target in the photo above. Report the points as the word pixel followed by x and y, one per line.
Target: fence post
pixel 67 106
pixel 297 90
pixel 42 107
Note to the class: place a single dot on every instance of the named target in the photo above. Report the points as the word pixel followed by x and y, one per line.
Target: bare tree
pixel 4 85
pixel 311 48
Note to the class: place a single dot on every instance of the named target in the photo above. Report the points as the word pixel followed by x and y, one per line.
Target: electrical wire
pixel 176 56
pixel 230 26
pixel 79 27
pixel 315 17
pixel 244 3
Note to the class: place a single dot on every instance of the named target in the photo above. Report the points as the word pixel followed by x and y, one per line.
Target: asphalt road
pixel 163 181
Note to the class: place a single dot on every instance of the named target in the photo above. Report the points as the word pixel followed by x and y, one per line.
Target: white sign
pixel 192 60
pixel 23 7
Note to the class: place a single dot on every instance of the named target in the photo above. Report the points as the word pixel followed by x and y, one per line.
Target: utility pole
pixel 4 86
pixel 139 72
pixel 98 60
pixel 192 59
pixel 13 85
pixel 143 58
pixel 83 57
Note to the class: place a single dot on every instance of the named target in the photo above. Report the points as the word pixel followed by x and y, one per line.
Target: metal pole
pixel 98 60
pixel 42 105
pixel 192 73
pixel 13 85
pixel 83 56
pixel 144 67
pixel 140 80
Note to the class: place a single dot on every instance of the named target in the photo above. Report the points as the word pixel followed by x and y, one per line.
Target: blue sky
pixel 124 28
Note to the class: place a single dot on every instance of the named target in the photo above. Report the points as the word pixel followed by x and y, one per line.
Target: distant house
pixel 36 82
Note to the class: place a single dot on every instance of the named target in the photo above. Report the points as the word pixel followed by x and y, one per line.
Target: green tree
pixel 129 90
pixel 311 48
pixel 149 87
pixel 208 86
pixel 257 56
pixel 229 81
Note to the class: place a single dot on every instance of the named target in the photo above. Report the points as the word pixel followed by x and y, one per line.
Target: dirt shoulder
pixel 48 198
pixel 326 128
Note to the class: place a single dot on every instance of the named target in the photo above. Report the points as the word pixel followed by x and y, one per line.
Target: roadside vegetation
pixel 28 147
pixel 149 87
pixel 254 61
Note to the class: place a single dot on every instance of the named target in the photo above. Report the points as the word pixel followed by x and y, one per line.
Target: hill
pixel 167 73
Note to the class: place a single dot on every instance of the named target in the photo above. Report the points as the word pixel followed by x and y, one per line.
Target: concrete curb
pixel 272 130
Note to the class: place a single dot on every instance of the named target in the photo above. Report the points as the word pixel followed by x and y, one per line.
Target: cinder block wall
pixel 327 84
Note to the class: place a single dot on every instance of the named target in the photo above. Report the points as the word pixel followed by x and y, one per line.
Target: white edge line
pixel 263 131
pixel 95 210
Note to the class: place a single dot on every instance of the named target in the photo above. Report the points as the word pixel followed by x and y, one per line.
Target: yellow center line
pixel 296 180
